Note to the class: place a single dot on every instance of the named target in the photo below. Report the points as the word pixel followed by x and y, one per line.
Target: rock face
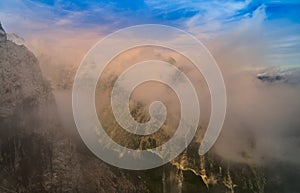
pixel 15 38
pixel 3 36
pixel 35 154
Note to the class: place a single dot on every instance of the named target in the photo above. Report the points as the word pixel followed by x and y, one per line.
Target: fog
pixel 261 124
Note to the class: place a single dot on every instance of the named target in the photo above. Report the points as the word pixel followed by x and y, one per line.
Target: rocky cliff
pixel 35 154
pixel 3 36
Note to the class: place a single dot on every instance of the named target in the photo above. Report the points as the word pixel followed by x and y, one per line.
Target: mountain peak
pixel 3 36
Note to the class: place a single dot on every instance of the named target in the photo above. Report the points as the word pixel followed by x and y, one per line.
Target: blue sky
pixel 130 12
pixel 281 18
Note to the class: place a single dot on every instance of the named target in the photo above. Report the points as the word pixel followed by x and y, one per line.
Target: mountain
pixel 190 172
pixel 279 75
pixel 3 36
pixel 35 154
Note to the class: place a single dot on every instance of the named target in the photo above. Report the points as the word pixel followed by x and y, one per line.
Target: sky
pixel 279 20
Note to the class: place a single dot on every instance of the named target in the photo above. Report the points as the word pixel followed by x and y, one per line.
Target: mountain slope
pixel 35 154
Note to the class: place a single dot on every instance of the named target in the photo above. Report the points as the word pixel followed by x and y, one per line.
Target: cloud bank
pixel 262 121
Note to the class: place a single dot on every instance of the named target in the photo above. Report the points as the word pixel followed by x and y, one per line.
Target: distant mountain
pixel 279 75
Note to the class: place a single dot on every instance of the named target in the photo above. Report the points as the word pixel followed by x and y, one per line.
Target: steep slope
pixel 35 154
pixel 26 126
pixel 190 172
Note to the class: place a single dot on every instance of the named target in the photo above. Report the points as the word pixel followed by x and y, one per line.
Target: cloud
pixel 261 125
pixel 201 13
pixel 116 14
pixel 26 17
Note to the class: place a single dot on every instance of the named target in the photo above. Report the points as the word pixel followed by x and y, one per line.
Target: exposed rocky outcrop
pixel 3 36
pixel 15 38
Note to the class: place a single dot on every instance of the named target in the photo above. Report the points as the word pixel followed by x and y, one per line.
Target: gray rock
pixel 3 36
pixel 15 38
